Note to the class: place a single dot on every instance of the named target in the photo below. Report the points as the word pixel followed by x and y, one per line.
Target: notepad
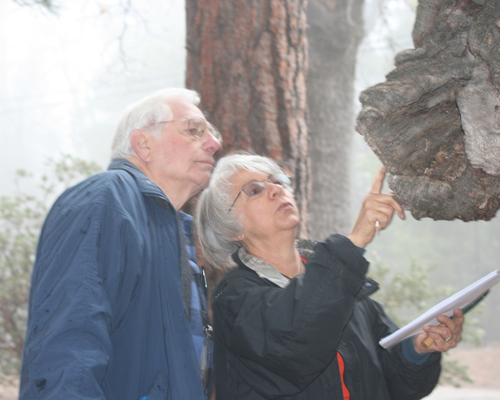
pixel 460 299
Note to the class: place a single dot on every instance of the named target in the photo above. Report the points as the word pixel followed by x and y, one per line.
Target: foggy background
pixel 65 79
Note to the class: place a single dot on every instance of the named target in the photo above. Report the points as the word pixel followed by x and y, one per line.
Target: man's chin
pixel 203 183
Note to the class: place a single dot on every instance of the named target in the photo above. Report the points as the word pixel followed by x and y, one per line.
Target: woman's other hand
pixel 445 336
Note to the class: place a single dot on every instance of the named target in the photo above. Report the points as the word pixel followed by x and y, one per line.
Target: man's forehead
pixel 183 108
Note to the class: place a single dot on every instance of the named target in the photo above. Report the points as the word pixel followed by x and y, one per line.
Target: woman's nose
pixel 274 188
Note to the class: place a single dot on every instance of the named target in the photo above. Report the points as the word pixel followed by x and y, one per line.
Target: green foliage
pixel 406 295
pixel 21 217
pixel 49 5
pixel 453 373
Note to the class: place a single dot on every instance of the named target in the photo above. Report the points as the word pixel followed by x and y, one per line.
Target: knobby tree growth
pixel 435 122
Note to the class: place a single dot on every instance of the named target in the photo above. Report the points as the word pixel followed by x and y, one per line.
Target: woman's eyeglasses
pixel 254 188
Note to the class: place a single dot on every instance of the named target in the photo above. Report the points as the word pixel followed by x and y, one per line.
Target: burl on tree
pixel 435 122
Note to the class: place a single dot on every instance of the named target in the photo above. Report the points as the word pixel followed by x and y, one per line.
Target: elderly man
pixel 114 313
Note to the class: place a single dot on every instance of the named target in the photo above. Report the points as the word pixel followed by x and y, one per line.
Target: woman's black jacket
pixel 280 340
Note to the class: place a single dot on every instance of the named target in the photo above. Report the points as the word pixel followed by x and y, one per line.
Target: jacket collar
pixel 306 249
pixel 146 186
pixel 266 270
pixel 261 267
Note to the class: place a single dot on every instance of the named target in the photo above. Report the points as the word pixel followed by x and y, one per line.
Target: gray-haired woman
pixel 293 319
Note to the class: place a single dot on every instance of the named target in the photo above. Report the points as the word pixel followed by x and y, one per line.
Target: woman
pixel 293 320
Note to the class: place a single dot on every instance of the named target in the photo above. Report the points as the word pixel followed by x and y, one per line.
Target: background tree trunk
pixel 335 30
pixel 248 61
pixel 435 122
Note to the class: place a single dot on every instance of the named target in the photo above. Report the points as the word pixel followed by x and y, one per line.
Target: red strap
pixel 345 391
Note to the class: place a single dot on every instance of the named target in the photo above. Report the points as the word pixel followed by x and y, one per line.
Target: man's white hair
pixel 145 113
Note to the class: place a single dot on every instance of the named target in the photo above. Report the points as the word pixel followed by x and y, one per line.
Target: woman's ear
pixel 141 143
pixel 240 238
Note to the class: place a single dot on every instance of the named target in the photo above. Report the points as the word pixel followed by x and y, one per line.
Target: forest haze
pixel 62 92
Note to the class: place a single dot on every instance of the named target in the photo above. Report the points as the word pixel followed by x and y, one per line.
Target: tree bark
pixel 248 60
pixel 435 122
pixel 335 30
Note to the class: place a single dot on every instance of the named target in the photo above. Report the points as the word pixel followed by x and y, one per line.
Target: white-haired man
pixel 114 312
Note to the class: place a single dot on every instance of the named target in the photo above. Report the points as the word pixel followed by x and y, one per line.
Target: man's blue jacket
pixel 106 316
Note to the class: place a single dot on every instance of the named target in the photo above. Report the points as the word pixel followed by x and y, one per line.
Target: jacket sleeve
pixel 289 336
pixel 67 347
pixel 404 379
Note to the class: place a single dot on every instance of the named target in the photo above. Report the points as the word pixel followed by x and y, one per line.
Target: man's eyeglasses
pixel 254 188
pixel 193 126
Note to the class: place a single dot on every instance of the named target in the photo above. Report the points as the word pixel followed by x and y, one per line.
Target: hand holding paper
pixel 459 300
pixel 442 337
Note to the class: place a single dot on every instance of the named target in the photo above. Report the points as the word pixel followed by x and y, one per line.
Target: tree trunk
pixel 248 61
pixel 435 122
pixel 335 30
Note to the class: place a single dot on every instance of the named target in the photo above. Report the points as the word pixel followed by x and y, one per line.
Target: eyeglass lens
pixel 197 127
pixel 254 188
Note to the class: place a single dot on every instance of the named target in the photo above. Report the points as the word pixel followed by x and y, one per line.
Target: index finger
pixel 458 315
pixel 378 181
pixel 458 312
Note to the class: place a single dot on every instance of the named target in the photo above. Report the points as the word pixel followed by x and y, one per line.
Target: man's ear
pixel 141 143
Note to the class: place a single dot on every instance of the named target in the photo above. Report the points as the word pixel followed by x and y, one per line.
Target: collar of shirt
pixel 146 185
pixel 305 248
pixel 266 270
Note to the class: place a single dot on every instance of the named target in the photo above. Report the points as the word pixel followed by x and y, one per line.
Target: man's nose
pixel 212 144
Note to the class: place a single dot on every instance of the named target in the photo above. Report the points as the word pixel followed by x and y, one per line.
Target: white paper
pixel 446 307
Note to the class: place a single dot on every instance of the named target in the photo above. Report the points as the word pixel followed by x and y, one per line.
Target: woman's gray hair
pixel 218 227
pixel 146 113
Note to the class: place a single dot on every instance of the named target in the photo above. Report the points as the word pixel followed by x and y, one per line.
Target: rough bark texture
pixel 248 61
pixel 335 29
pixel 435 122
